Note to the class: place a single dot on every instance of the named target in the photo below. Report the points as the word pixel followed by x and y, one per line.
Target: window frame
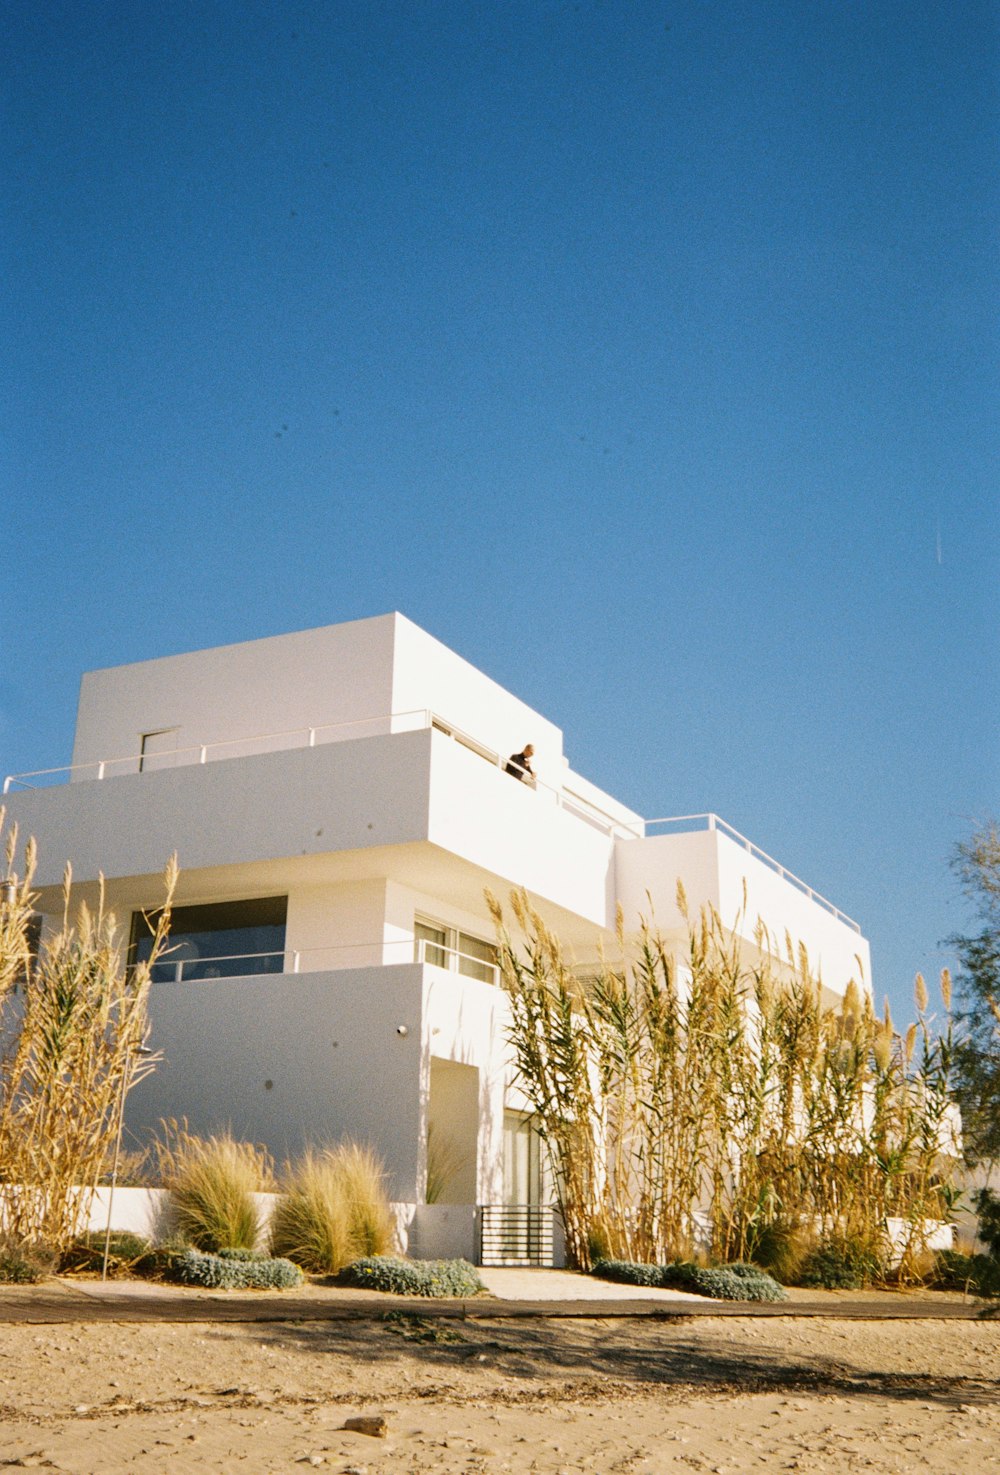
pixel 455 954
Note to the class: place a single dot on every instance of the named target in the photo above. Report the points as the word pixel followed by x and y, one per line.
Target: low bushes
pixel 842 1264
pixel 977 1275
pixel 126 1251
pixel 413 1277
pixel 233 1270
pixel 736 1282
pixel 22 1265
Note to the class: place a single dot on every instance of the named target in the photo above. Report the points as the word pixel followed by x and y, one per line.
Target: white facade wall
pixel 336 675
pixel 326 1042
pixel 363 832
pixel 715 869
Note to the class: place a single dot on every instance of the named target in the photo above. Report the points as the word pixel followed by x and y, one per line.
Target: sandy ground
pixel 473 1397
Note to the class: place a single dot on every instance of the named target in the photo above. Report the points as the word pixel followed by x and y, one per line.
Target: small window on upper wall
pixel 158 749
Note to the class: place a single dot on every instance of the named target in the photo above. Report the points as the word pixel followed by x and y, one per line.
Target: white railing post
pixel 312 737
pixel 100 769
pixel 296 955
pixel 203 754
pixel 179 972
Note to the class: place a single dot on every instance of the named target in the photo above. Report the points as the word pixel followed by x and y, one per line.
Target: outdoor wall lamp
pixel 8 891
pixel 402 1030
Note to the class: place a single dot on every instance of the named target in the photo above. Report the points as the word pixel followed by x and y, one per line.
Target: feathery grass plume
pixel 211 1182
pixel 370 1220
pixel 332 1209
pixel 920 993
pixel 73 1039
pixel 946 987
pixel 714 1087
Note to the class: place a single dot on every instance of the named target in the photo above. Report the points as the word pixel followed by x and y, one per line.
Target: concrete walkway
pixel 567 1285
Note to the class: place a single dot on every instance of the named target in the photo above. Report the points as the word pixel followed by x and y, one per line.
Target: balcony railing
pixel 413 721
pixel 688 823
pixel 340 956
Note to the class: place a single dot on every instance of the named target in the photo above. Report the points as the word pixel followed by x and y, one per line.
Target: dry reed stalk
pixel 73 1037
pixel 726 1093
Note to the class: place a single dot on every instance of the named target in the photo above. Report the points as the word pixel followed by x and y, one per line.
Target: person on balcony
pixel 519 765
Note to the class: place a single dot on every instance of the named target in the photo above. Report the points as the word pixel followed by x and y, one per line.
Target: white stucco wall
pixel 339 926
pixel 714 868
pixel 428 674
pixel 326 1042
pixel 333 675
pixel 519 834
pixel 310 802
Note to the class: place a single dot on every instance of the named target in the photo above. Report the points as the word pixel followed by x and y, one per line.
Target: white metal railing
pixel 289 960
pixel 686 823
pixel 417 719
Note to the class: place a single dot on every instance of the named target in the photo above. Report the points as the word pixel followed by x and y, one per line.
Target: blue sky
pixel 645 354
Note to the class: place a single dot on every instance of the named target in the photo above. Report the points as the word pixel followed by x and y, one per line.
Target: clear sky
pixel 644 353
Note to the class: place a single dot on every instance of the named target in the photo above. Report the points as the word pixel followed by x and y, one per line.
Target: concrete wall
pixel 340 926
pixel 292 1061
pixel 519 834
pixel 466 1021
pixel 714 869
pixel 345 796
pixel 333 675
pixel 428 674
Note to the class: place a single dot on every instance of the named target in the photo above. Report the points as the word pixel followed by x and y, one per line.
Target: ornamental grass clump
pixel 73 1021
pixel 211 1182
pixel 333 1208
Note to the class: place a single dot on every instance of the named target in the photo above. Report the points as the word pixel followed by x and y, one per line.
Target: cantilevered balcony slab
pixel 414 806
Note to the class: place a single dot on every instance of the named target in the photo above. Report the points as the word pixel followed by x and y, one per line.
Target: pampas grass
pixel 717 1089
pixel 74 1023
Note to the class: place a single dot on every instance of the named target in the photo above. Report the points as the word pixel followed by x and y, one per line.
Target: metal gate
pixel 515 1234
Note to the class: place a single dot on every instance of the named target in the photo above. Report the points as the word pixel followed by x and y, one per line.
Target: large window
pixel 447 947
pixel 223 939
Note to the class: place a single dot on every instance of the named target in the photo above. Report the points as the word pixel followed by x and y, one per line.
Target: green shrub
pixel 413 1277
pixel 841 1264
pixel 86 1253
pixel 22 1265
pixel 333 1209
pixel 988 1208
pixel 212 1182
pixel 234 1271
pixel 628 1273
pixel 978 1275
pixel 735 1282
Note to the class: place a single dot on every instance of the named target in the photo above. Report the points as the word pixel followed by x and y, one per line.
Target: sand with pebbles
pixel 472 1397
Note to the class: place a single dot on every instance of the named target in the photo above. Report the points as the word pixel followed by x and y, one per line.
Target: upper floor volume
pixel 370 751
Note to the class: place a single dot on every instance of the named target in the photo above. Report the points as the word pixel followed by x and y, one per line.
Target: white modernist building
pixel 338 803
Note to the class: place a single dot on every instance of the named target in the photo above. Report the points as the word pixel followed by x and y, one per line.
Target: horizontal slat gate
pixel 515 1234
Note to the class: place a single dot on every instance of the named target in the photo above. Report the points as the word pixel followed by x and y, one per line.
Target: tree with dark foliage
pixel 976 862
